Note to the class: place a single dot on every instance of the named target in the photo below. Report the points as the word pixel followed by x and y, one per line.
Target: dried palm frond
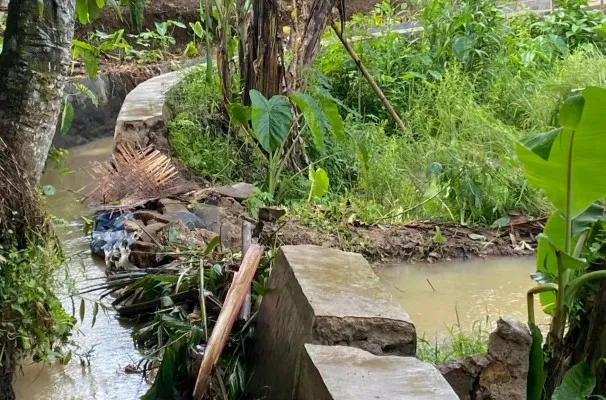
pixel 133 177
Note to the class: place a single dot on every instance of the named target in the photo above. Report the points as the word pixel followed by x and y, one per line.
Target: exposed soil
pixel 415 241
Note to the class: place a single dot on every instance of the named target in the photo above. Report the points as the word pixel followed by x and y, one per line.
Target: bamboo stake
pixel 368 77
pixel 247 229
pixel 227 317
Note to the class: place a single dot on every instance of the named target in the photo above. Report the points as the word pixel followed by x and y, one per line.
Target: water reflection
pixel 479 288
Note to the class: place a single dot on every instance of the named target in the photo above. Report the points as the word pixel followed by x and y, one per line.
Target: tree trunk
pixel 263 67
pixel 35 58
pixel 7 372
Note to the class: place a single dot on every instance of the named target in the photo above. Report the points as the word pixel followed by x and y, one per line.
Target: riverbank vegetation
pixel 467 87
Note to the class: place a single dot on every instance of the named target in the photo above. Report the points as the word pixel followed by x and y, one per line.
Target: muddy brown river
pixel 493 287
pixel 109 342
pixel 478 288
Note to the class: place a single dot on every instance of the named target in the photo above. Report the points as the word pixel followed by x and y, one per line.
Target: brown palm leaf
pixel 133 177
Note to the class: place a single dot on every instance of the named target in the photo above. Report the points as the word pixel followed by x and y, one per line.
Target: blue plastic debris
pixel 109 238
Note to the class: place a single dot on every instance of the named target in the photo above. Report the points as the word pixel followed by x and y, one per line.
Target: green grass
pixel 463 111
pixel 459 343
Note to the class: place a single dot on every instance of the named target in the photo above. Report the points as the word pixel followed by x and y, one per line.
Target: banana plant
pixel 272 123
pixel 568 165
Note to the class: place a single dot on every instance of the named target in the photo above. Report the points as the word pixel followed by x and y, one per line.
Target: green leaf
pixel 313 114
pixel 67 358
pixel 541 143
pixel 577 384
pixel 335 121
pixel 164 384
pixel 88 93
pixel 197 28
pixel 271 120
pixel 41 8
pixel 179 24
pixel 95 312
pixel 82 11
pixel 67 116
pixel 439 238
pixel 240 114
pixel 319 182
pixel 190 50
pixel 49 190
pixel 576 157
pixel 212 245
pixel 90 63
pixel 536 374
pixel 82 309
pixel 94 10
pixel 572 111
pixel 161 28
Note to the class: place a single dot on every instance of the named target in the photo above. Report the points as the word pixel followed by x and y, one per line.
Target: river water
pixel 475 289
pixel 110 340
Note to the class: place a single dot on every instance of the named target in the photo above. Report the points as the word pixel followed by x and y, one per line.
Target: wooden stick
pixel 368 77
pixel 227 317
pixel 247 229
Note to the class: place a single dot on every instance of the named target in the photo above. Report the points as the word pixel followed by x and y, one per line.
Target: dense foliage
pixel 465 87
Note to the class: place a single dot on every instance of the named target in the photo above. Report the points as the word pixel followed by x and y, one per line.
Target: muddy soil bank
pixel 415 241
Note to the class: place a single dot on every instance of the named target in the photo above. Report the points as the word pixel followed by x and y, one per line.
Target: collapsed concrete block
pixel 322 296
pixel 347 373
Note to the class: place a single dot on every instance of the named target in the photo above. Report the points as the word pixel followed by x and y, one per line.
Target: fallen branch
pixel 231 309
pixel 152 305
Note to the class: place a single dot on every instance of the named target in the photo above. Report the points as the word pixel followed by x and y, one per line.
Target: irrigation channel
pixel 478 288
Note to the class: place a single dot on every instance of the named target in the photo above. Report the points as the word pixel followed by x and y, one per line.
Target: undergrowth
pixel 466 88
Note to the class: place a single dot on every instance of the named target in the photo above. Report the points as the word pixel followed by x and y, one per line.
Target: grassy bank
pixel 466 88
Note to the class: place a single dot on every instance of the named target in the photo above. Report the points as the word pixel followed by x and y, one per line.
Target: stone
pixel 505 376
pixel 190 220
pixel 322 296
pixel 230 205
pixel 462 375
pixel 240 191
pixel 347 373
pixel 210 215
pixel 184 235
pixel 150 232
pixel 133 225
pixel 147 215
pixel 268 214
pixel 171 206
pixel 143 254
pixel 231 236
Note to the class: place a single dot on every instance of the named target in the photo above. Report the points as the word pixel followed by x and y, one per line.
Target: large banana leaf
pixel 568 164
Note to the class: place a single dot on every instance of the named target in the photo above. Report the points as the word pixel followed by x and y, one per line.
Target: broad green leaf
pixel 568 261
pixel 572 111
pixel 164 384
pixel 461 47
pixel 577 384
pixel 67 116
pixel 240 114
pixel 334 118
pixel 319 182
pixel 576 159
pixel 100 3
pixel 555 230
pixel 197 28
pixel 313 114
pixel 271 120
pixel 475 236
pixel 179 24
pixel 161 28
pixel 88 93
pixel 94 10
pixel 536 374
pixel 82 11
pixel 41 8
pixel 541 143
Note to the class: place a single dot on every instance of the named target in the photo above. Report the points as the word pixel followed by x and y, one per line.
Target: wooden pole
pixel 247 230
pixel 368 77
pixel 227 317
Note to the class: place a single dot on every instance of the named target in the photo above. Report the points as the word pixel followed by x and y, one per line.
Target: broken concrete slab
pixel 143 118
pixel 347 373
pixel 323 296
pixel 211 215
pixel 462 375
